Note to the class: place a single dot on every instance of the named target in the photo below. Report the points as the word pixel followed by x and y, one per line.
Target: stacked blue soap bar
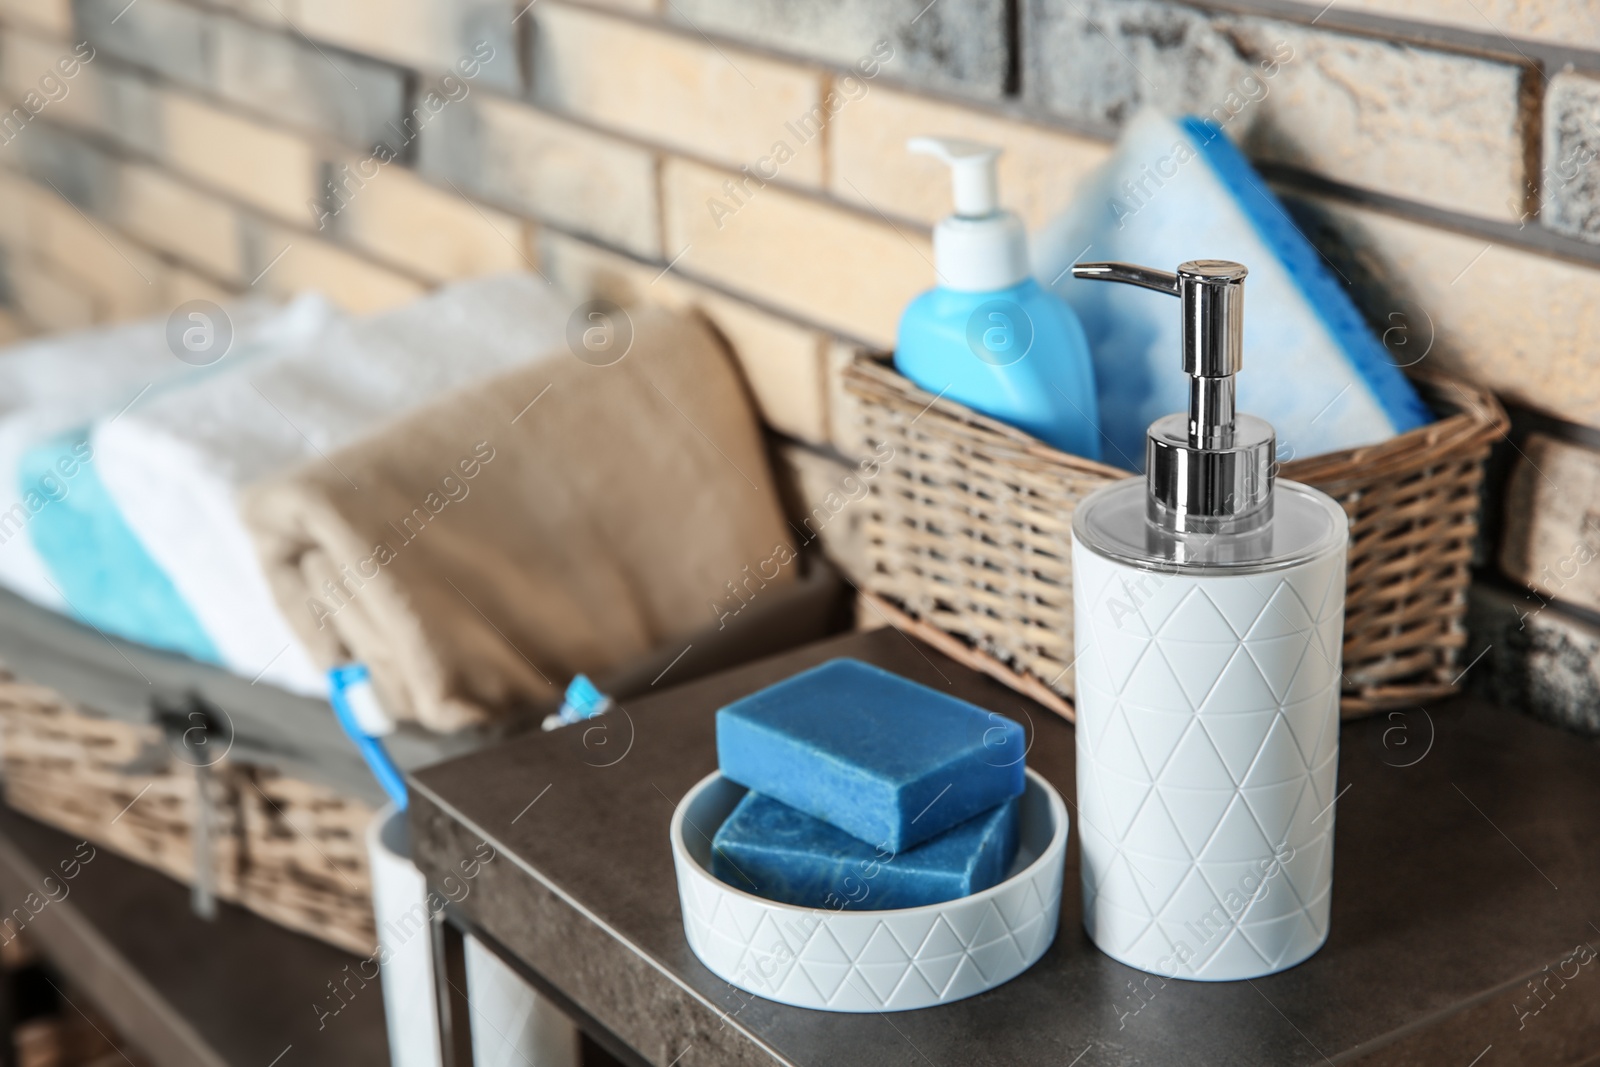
pixel 775 851
pixel 866 791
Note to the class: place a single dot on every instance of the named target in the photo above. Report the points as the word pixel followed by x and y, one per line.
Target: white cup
pixel 400 903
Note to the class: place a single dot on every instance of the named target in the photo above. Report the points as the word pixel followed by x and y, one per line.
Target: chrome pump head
pixel 1210 471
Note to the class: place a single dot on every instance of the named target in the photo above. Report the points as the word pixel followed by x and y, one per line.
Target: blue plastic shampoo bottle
pixel 988 335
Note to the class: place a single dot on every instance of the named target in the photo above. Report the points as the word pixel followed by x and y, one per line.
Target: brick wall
pixel 747 157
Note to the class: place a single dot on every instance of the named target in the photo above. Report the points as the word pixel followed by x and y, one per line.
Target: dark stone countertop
pixel 1465 865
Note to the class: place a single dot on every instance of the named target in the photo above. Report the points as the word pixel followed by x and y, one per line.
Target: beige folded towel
pixel 561 518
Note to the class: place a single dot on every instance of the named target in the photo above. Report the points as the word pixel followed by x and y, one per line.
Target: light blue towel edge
pixel 140 602
pixel 172 625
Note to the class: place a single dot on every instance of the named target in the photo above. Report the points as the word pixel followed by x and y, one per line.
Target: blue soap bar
pixel 768 848
pixel 890 761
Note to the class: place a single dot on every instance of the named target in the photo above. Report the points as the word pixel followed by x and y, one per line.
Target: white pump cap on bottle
pixel 980 248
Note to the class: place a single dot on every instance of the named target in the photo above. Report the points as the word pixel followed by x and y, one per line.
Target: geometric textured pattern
pixel 1208 743
pixel 860 961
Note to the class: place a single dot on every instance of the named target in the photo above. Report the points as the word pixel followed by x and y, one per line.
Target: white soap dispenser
pixel 1209 612
pixel 989 336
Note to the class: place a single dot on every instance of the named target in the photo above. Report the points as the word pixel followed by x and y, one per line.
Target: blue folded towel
pixel 885 759
pixel 101 568
pixel 1179 190
pixel 772 850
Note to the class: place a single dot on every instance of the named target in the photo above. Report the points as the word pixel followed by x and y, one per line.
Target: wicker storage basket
pixel 968 534
pixel 288 850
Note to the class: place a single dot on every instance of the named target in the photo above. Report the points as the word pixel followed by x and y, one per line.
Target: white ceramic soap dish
pixel 858 961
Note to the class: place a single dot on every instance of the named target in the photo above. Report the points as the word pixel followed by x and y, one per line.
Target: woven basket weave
pixel 288 850
pixel 969 532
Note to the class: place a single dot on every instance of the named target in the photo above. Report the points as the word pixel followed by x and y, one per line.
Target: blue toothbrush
pixel 581 701
pixel 355 704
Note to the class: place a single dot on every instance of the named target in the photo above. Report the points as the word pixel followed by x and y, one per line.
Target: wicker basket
pixel 287 850
pixel 969 533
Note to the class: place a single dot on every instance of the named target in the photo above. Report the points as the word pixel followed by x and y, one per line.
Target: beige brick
pixel 1551 541
pixel 125 280
pixel 185 285
pixel 350 281
pixel 1553 21
pixel 869 164
pixel 17 197
pixel 268 168
pixel 120 292
pixel 782 362
pixel 727 105
pixel 172 216
pixel 825 264
pixel 435 233
pixel 25 59
pixel 51 299
pixel 114 102
pixel 1518 322
pixel 547 168
pixel 405 30
pixel 12 329
pixel 1437 127
pixel 51 16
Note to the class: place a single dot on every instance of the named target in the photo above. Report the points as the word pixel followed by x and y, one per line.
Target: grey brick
pixel 530 162
pixel 1098 61
pixel 448 146
pixel 270 12
pixel 1426 125
pixel 130 106
pixel 1570 182
pixel 275 72
pixel 431 36
pixel 489 22
pixel 349 97
pixel 957 45
pixel 1535 657
pixel 74 168
pixel 159 35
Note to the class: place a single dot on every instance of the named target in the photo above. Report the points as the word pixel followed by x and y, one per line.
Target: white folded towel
pixel 62 384
pixel 175 463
